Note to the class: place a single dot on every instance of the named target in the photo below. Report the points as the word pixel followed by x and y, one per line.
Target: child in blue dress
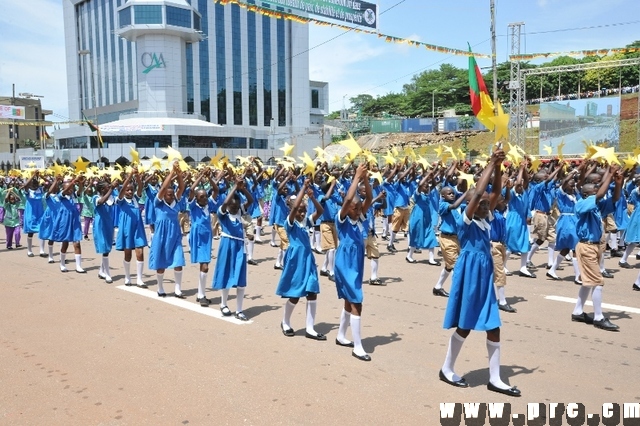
pixel 472 303
pixel 422 234
pixel 103 203
pixel 349 270
pixel 150 191
pixel 517 217
pixel 231 266
pixel 33 212
pixel 566 238
pixel 166 246
pixel 131 235
pixel 300 275
pixel 200 235
pixel 66 222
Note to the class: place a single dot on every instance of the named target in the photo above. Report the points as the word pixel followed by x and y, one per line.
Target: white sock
pixel 455 345
pixel 555 264
pixel 325 264
pixel 443 277
pixel 312 305
pixel 258 232
pixel 42 246
pixel 551 253
pixel 432 255
pixel 411 251
pixel 105 267
pixel 273 235
pixel 288 310
pixel 160 279
pixel 139 268
pixel 29 244
pixel 239 298
pixel 602 269
pixel 596 298
pixel 318 237
pixel 392 238
pixel 50 249
pixel 576 268
pixel 345 319
pixel 224 297
pixel 385 226
pixel 127 271
pixel 503 300
pixel 493 349
pixel 332 261
pixel 63 257
pixel 374 268
pixel 627 252
pixel 613 240
pixel 202 280
pixel 250 246
pixel 583 294
pixel 78 258
pixel 280 257
pixel 534 248
pixel 178 277
pixel 355 332
pixel 523 261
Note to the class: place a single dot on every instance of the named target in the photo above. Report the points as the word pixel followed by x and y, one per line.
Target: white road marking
pixel 212 311
pixel 589 303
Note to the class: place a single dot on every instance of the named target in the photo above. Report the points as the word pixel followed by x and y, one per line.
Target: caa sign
pixel 151 61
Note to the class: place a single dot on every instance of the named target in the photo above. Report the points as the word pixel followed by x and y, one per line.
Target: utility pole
pixel 93 99
pixel 15 128
pixel 494 65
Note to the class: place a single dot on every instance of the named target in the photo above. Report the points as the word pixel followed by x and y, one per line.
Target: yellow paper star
pixel 394 151
pixel 330 179
pixel 501 122
pixel 287 149
pixel 636 152
pixel 172 154
pixel 135 157
pixel 243 160
pixel 320 154
pixel 438 149
pixel 630 162
pixel 409 152
pixel 560 146
pixel 449 150
pixel 215 161
pixel 182 165
pixel 337 159
pixel 31 165
pixel 535 164
pixel 467 177
pixel 309 167
pixel 514 155
pixel 481 163
pixel 115 174
pixel 80 165
pixel 548 149
pixel 423 150
pixel 423 162
pixel 352 146
pixel 486 114
pixel 156 162
pixel 370 157
pixel 607 154
pixel 460 154
pixel 377 176
pixel 389 159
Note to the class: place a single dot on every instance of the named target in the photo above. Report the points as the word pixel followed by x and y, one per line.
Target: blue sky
pixel 32 41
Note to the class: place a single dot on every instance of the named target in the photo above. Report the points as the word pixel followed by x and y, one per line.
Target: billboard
pixel 31 162
pixel 12 112
pixel 577 120
pixel 353 12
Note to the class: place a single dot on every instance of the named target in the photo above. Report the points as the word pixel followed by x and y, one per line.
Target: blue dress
pixel 200 235
pixel 131 233
pixel 231 266
pixel 566 237
pixel 46 223
pixel 103 224
pixel 34 210
pixel 300 275
pixel 472 303
pixel 150 211
pixel 517 231
pixel 422 234
pixel 349 267
pixel 633 228
pixel 66 222
pixel 166 246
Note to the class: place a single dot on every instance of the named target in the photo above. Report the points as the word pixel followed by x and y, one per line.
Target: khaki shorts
pixel 589 262
pixel 328 236
pixel 185 222
pixel 371 247
pixel 450 250
pixel 544 227
pixel 249 227
pixel 610 224
pixel 400 219
pixel 499 254
pixel 284 238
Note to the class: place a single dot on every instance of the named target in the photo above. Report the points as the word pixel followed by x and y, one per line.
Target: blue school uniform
pixel 633 228
pixel 566 237
pixel 46 223
pixel 166 246
pixel 422 234
pixel 103 224
pixel 300 275
pixel 498 232
pixel 517 231
pixel 472 303
pixel 449 218
pixel 200 235
pixel 231 265
pixel 391 197
pixel 149 210
pixel 131 233
pixel 589 212
pixel 66 222
pixel 34 209
pixel 349 267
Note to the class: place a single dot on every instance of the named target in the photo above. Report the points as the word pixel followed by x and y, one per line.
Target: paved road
pixel 78 351
pixel 573 142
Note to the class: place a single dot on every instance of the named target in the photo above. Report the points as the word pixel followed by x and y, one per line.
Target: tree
pixel 466 123
pixel 333 116
pixel 30 143
pixel 358 103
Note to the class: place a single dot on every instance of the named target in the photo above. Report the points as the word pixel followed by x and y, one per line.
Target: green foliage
pixel 30 143
pixel 333 116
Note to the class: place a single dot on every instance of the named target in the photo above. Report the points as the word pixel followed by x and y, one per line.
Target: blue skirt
pixel 231 265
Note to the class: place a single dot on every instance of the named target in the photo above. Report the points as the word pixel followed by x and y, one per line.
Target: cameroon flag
pixel 93 128
pixel 481 103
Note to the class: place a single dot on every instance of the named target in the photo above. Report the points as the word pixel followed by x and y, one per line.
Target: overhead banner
pixel 12 112
pixel 354 12
pixel 32 162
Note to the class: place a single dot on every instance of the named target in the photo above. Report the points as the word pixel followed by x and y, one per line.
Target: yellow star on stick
pixel 607 154
pixel 630 162
pixel 548 149
pixel 514 155
pixel 377 176
pixel 243 160
pixel 309 165
pixel 560 146
pixel 450 151
pixel 80 165
pixel 394 151
pixel 172 154
pixel 636 152
pixel 135 157
pixel 423 162
pixel 486 114
pixel 320 154
pixel 215 161
pixel 370 157
pixel 438 149
pixel 501 122
pixel 115 174
pixel 535 164
pixel 409 152
pixel 182 165
pixel 287 149
pixel 156 162
pixel 389 159
pixel 460 153
pixel 353 147
pixel 467 177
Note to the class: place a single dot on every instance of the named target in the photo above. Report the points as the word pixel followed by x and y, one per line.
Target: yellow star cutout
pixel 560 146
pixel 115 174
pixel 630 162
pixel 423 162
pixel 449 150
pixel 460 153
pixel 370 157
pixel 394 151
pixel 215 161
pixel 337 159
pixel 501 122
pixel 320 154
pixel 636 152
pixel 548 149
pixel 535 164
pixel 438 149
pixel 423 150
pixel 80 165
pixel 353 147
pixel 389 159
pixel 309 167
pixel 607 154
pixel 409 152
pixel 182 165
pixel 287 149
pixel 467 177
pixel 31 165
pixel 156 162
pixel 172 154
pixel 135 157
pixel 377 176
pixel 243 160
pixel 514 155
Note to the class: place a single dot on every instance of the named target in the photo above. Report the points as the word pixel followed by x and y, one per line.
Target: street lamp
pixel 86 52
pixel 433 104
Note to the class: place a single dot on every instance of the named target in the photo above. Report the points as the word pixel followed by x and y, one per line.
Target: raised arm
pixel 493 167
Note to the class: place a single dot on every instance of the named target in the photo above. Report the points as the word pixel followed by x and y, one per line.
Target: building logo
pixel 369 17
pixel 150 61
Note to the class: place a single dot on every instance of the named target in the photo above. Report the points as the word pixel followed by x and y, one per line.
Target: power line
pixel 592 27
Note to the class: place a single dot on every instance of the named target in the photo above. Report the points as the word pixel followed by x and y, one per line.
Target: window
pixel 189 58
pixel 282 73
pixel 205 95
pixel 236 64
pixel 315 98
pixel 253 72
pixel 196 22
pixel 221 72
pixel 258 143
pixel 178 17
pixel 124 17
pixel 266 70
pixel 148 14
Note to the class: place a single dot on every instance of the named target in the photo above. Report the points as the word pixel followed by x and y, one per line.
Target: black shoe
pixel 241 316
pixel 625 265
pixel 616 253
pixel 280 268
pixel 332 278
pixel 384 238
pixel 577 282
pixel 507 308
pixel 635 287
pixel 605 324
pixel 529 275
pixel 440 292
pixel 318 336
pixel 530 265
pixel 179 296
pixel 377 281
pixel 204 302
pixel 508 273
pixel 346 345
pixel 252 262
pixel 391 248
pixel 287 331
pixel 162 294
pixel 462 383
pixel 410 260
pixel 553 277
pixel 510 392
pixel 324 273
pixel 315 250
pixel 225 311
pixel 417 251
pixel 364 357
pixel 607 274
pixel 434 263
pixel 583 317
pixel 558 268
pixel 638 256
